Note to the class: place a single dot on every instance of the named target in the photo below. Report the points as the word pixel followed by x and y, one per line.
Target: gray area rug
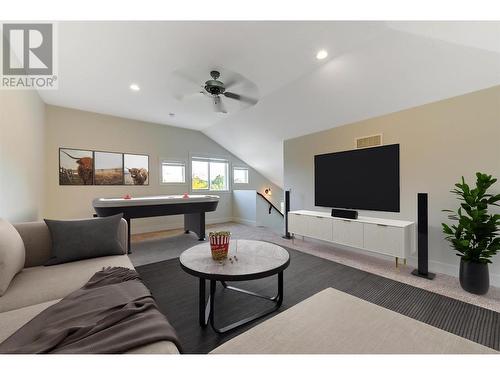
pixel 177 296
pixel 156 250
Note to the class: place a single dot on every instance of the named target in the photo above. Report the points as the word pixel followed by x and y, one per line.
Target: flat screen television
pixel 365 179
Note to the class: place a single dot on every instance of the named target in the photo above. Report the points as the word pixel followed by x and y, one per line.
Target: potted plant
pixel 475 237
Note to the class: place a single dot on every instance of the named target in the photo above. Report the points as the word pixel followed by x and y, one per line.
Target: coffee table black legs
pixel 204 308
pixel 207 308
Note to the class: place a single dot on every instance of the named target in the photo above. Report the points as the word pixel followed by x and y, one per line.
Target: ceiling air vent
pixel 369 141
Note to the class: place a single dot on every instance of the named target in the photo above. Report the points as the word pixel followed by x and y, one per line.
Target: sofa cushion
pixel 12 254
pixel 38 244
pixel 41 284
pixel 74 240
pixel 11 321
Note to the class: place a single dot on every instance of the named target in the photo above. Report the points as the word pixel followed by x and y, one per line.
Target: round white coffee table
pixel 251 260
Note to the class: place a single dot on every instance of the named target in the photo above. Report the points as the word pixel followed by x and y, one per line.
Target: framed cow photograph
pixel 108 168
pixel 136 169
pixel 76 167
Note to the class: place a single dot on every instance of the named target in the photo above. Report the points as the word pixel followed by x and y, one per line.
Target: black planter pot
pixel 474 277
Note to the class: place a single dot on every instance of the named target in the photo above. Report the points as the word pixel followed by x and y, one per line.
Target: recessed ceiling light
pixel 134 87
pixel 171 114
pixel 322 53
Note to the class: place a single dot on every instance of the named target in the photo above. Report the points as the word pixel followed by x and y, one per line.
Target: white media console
pixel 384 236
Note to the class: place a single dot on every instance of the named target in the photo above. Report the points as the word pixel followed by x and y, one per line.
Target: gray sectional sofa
pixel 37 287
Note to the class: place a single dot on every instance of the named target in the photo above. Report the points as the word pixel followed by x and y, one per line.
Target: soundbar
pixel 345 214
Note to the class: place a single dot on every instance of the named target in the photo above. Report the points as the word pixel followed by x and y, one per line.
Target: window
pixel 240 175
pixel 173 172
pixel 209 174
pixel 199 173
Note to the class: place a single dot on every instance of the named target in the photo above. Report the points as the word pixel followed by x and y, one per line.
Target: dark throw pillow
pixel 74 240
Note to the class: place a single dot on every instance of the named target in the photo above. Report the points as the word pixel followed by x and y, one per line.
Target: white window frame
pixel 208 159
pixel 172 162
pixel 237 167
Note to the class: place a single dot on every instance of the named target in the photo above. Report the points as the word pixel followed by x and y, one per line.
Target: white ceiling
pixel 373 68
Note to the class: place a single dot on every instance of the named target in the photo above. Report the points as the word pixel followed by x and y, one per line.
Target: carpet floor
pixel 176 293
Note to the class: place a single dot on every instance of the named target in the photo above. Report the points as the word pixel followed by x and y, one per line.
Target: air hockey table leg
pixel 195 222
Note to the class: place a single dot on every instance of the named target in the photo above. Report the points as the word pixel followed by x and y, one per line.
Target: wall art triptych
pixel 87 167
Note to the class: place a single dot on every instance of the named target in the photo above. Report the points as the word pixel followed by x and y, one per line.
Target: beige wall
pixel 79 129
pixel 439 142
pixel 22 155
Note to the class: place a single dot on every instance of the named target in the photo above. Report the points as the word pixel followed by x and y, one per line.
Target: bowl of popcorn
pixel 219 244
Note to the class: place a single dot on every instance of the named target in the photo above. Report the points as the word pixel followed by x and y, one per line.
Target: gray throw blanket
pixel 113 313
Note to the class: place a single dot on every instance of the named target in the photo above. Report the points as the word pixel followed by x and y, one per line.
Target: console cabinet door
pixel 384 239
pixel 347 232
pixel 320 227
pixel 298 224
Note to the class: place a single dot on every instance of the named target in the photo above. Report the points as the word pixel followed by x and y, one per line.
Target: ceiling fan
pixel 215 89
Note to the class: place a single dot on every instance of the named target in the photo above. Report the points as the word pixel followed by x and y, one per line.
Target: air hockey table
pixel 192 206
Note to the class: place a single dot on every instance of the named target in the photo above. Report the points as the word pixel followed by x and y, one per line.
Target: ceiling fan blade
pixel 229 83
pixel 242 98
pixel 186 77
pixel 189 96
pixel 218 105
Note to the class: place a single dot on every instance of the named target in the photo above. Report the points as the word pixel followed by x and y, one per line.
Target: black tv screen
pixel 365 179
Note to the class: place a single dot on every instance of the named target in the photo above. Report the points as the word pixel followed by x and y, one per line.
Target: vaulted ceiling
pixel 373 68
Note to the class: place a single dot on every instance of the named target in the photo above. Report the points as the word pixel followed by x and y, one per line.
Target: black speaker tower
pixel 423 238
pixel 287 209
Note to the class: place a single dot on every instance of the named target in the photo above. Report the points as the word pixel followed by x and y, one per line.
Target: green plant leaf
pixel 447 229
pixel 476 236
